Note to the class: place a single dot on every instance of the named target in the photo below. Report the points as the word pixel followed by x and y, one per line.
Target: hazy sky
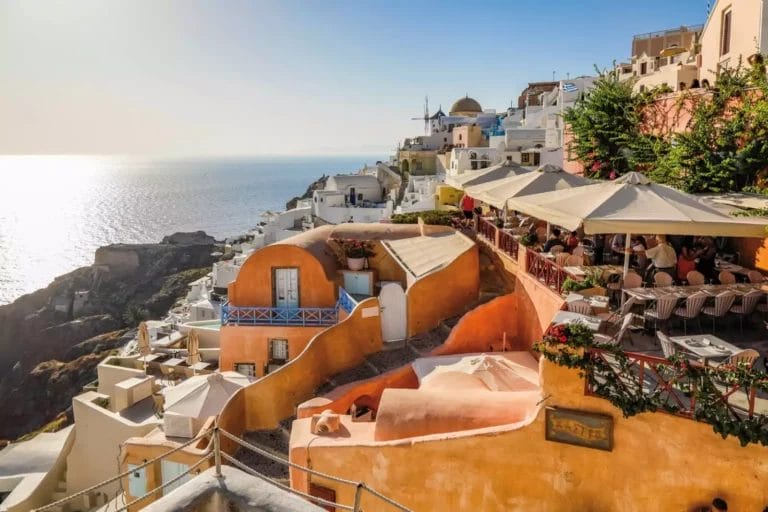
pixel 254 77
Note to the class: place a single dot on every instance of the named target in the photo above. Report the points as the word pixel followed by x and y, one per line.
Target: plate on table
pixel 698 343
pixel 721 348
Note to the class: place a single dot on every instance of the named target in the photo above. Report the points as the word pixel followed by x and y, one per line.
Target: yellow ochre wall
pixel 266 402
pixel 447 195
pixel 250 344
pixel 659 461
pixel 253 286
pixel 431 299
pixel 138 450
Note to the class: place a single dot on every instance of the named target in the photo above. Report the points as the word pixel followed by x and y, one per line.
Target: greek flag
pixel 570 87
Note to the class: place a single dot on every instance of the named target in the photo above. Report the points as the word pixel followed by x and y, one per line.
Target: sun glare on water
pixel 44 207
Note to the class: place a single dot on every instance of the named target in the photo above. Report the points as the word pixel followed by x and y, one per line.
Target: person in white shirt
pixel 663 256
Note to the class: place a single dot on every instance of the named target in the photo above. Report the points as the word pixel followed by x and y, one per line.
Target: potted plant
pixel 355 251
pixel 590 286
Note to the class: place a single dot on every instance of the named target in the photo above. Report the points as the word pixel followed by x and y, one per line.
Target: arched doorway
pixel 404 167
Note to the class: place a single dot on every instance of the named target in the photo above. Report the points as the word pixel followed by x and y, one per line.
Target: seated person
pixel 686 261
pixel 573 241
pixel 663 256
pixel 617 246
pixel 554 239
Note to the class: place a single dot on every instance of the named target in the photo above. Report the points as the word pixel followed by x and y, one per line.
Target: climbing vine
pixel 612 374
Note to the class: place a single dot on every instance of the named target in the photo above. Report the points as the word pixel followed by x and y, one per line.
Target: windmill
pixel 426 115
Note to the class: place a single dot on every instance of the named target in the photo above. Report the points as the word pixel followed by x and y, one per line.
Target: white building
pixel 471 159
pixel 368 196
pixel 533 135
pixel 420 194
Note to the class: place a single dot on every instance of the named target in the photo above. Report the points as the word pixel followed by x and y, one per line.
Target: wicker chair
pixel 755 277
pixel 723 303
pixel 748 356
pixel 581 307
pixel 619 336
pixel 574 260
pixel 667 345
pixel 692 309
pixel 726 277
pixel 665 306
pixel 661 279
pixel 695 278
pixel 747 306
pixel 561 258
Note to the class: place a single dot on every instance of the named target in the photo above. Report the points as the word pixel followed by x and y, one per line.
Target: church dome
pixel 466 106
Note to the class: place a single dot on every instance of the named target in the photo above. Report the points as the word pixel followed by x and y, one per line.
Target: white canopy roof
pixel 544 179
pixel 203 395
pixel 632 204
pixel 424 254
pixel 509 371
pixel 492 173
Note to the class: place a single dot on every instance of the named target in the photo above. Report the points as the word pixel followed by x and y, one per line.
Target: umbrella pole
pixel 627 243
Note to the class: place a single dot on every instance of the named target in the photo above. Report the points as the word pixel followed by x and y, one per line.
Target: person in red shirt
pixel 573 241
pixel 467 206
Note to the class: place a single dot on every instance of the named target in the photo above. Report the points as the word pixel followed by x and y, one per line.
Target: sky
pixel 252 77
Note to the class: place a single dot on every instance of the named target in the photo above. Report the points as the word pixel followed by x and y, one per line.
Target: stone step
pixel 274 442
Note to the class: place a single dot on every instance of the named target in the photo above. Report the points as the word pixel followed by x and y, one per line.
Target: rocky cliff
pixel 52 339
pixel 318 184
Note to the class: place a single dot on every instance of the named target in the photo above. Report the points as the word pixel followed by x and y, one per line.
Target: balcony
pixel 251 315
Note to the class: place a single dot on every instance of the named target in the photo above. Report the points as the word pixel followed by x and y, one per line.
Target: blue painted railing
pixel 346 301
pixel 250 315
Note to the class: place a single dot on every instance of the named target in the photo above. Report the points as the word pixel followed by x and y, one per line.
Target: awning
pixel 424 254
pixel 633 204
pixel 492 173
pixel 546 178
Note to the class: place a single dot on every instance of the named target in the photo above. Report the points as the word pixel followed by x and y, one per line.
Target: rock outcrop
pixel 50 326
pixel 318 184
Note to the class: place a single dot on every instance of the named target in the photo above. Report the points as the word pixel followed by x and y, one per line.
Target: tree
pixel 725 148
pixel 606 125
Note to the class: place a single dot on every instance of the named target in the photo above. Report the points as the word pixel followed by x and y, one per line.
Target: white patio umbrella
pixel 543 179
pixel 203 395
pixel 633 204
pixel 497 373
pixel 492 173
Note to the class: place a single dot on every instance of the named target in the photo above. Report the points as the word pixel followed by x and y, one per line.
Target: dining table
pixel 580 272
pixel 569 317
pixel 598 303
pixel 706 346
pixel 683 292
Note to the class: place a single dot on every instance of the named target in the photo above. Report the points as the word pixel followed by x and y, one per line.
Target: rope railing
pixel 216 453
pixel 360 486
pixel 99 485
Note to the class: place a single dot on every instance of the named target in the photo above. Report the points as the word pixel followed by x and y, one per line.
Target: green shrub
pixel 434 217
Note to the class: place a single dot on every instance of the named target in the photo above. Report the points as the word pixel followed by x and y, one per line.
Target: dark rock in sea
pixel 60 325
pixel 318 184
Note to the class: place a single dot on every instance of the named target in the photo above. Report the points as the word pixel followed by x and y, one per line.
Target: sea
pixel 55 211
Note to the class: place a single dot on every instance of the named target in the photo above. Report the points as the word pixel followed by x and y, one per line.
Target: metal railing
pixel 254 315
pixel 657 376
pixel 486 229
pixel 545 270
pixel 346 301
pixel 219 456
pixel 509 245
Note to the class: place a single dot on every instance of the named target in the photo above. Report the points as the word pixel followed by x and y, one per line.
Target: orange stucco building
pixel 487 450
pixel 435 269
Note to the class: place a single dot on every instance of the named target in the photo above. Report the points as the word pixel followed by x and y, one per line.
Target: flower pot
pixel 355 263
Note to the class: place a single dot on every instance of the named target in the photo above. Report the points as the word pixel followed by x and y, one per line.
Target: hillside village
pixel 498 317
